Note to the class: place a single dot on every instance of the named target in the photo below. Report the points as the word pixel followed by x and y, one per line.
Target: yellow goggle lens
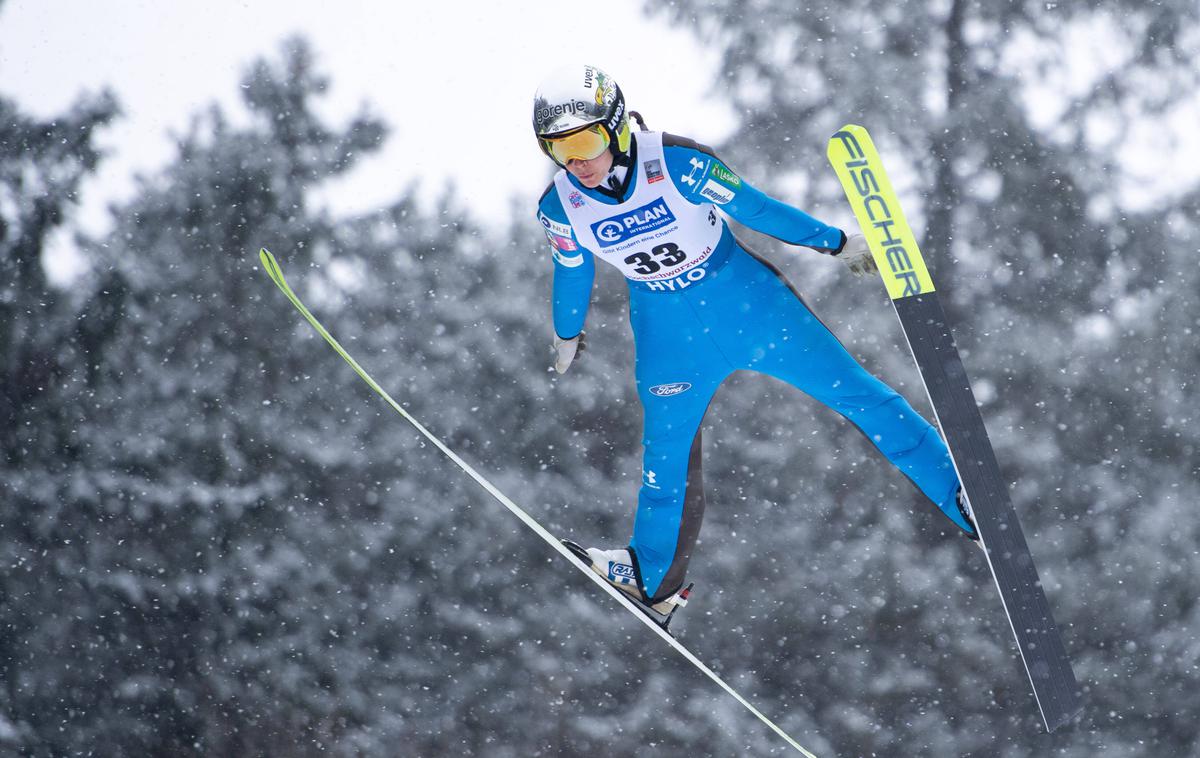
pixel 582 145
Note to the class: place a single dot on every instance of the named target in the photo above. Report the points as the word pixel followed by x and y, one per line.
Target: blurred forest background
pixel 217 541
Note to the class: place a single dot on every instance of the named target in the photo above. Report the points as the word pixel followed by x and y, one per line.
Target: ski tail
pixel 271 265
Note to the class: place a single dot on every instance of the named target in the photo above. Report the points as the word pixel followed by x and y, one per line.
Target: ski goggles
pixel 584 145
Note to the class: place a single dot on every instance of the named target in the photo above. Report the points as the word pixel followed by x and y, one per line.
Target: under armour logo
pixel 697 165
pixel 649 479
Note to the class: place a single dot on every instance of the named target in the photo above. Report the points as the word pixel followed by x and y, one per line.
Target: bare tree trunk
pixel 939 233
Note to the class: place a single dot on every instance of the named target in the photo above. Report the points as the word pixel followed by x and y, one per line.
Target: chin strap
pixel 616 179
pixel 616 183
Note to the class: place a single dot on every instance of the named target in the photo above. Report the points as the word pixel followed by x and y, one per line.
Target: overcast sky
pixel 441 75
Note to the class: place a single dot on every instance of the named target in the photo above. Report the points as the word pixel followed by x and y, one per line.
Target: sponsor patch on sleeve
pixel 561 243
pixel 570 261
pixel 725 176
pixel 552 226
pixel 716 192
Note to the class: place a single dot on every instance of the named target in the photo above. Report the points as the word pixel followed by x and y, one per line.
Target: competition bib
pixel 656 237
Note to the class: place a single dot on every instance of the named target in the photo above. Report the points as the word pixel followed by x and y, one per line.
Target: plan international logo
pixel 617 229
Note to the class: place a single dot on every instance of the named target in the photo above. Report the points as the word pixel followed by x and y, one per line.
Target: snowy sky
pixel 416 64
pixel 419 64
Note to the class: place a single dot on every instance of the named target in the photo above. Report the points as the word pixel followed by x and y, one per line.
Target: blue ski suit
pixel 703 306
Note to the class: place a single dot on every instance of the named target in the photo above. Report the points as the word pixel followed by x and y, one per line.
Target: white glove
pixel 857 256
pixel 566 350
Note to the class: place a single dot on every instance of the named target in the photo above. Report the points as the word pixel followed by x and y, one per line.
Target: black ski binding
pixel 663 622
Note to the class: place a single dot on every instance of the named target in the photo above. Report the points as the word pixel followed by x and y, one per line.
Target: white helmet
pixel 574 99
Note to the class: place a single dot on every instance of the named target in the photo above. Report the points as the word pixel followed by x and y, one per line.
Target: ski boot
pixel 617 568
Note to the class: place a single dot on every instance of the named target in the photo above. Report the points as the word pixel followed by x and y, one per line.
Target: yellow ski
pixel 870 192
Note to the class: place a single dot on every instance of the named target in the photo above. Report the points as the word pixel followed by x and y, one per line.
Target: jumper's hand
pixel 565 351
pixel 857 256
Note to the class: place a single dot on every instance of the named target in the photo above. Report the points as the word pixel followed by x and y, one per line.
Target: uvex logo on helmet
pixel 618 114
pixel 574 107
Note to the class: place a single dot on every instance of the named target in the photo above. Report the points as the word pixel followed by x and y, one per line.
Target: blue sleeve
pixel 702 177
pixel 574 267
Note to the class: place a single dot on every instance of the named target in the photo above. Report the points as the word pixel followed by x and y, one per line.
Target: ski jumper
pixel 702 306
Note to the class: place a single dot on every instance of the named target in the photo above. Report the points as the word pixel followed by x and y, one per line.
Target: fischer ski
pixel 645 615
pixel 923 321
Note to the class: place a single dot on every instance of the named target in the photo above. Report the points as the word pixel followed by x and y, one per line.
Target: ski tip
pixel 848 134
pixel 271 266
pixel 845 142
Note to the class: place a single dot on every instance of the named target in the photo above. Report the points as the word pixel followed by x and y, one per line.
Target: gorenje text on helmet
pixel 574 107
